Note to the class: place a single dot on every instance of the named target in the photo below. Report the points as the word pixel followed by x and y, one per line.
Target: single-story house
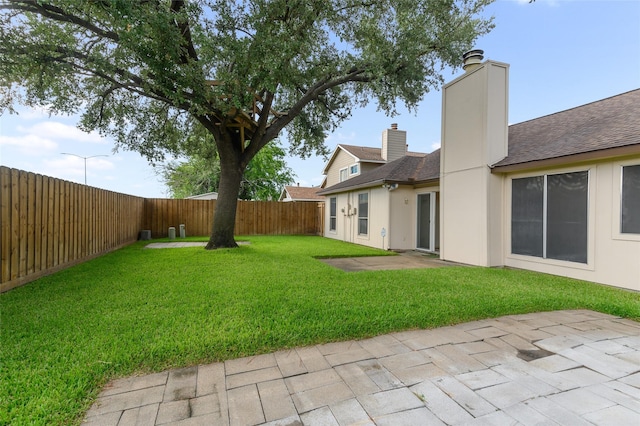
pixel 300 193
pixel 558 194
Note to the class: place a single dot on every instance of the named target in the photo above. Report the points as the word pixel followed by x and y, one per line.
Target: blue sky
pixel 562 53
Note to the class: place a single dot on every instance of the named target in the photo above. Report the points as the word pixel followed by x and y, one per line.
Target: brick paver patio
pixel 562 367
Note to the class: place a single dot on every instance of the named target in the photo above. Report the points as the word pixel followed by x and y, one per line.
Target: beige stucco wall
pixel 378 218
pixel 463 207
pixel 347 217
pixel 474 136
pixel 613 258
pixel 395 211
pixel 342 213
pixel 402 214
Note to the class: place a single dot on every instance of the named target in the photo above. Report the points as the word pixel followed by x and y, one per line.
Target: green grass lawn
pixel 139 310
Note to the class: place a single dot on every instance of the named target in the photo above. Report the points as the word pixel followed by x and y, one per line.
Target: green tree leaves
pixel 263 180
pixel 151 73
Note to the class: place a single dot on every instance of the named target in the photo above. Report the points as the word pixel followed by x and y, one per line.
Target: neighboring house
pixel 206 196
pixel 348 161
pixel 559 194
pixel 300 193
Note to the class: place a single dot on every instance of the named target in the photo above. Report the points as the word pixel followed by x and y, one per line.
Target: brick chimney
pixel 394 143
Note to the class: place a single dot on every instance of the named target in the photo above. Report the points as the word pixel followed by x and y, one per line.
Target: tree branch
pixel 185 31
pixel 57 14
pixel 354 75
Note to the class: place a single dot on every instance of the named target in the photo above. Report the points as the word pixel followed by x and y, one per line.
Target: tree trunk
pixel 224 217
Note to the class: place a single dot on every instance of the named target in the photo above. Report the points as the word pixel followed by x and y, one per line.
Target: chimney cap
pixel 394 126
pixel 472 59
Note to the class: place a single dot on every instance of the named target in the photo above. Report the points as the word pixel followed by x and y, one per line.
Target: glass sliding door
pixel 549 216
pixel 428 222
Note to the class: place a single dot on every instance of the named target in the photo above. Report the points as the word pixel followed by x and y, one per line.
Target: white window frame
pixel 346 174
pixel 432 220
pixel 357 172
pixel 363 217
pixel 622 198
pixel 335 216
pixel 617 202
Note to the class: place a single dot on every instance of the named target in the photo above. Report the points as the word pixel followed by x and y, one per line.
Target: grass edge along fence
pixel 48 224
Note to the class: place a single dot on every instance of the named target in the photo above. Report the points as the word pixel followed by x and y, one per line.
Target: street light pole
pixel 85 161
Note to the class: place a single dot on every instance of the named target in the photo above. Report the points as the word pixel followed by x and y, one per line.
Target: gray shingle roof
pixel 303 192
pixel 410 169
pixel 598 126
pixel 365 153
pixel 608 123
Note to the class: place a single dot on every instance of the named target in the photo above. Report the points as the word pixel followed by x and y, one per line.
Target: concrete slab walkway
pixel 405 260
pixel 562 367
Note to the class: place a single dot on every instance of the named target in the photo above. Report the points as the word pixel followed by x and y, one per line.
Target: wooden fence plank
pixel 31 219
pixel 74 237
pixel 15 224
pixel 6 231
pixel 50 201
pixel 45 219
pixel 23 218
pixel 55 224
pixel 83 220
pixel 38 212
pixel 66 215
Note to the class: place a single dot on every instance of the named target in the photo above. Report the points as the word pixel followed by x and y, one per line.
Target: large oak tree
pixel 152 72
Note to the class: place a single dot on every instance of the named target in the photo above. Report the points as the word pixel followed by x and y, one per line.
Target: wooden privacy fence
pixel 49 224
pixel 252 217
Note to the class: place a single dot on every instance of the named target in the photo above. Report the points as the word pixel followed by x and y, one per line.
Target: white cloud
pixel 30 145
pixel 339 137
pixel 34 113
pixel 73 168
pixel 71 162
pixel 57 130
pixel 434 146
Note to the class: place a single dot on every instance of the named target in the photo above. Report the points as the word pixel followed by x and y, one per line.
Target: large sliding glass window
pixel 332 213
pixel 549 216
pixel 567 197
pixel 630 209
pixel 363 214
pixel 527 210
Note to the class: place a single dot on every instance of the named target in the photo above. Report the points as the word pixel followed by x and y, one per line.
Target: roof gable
pixel 359 153
pixel 301 193
pixel 362 154
pixel 410 169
